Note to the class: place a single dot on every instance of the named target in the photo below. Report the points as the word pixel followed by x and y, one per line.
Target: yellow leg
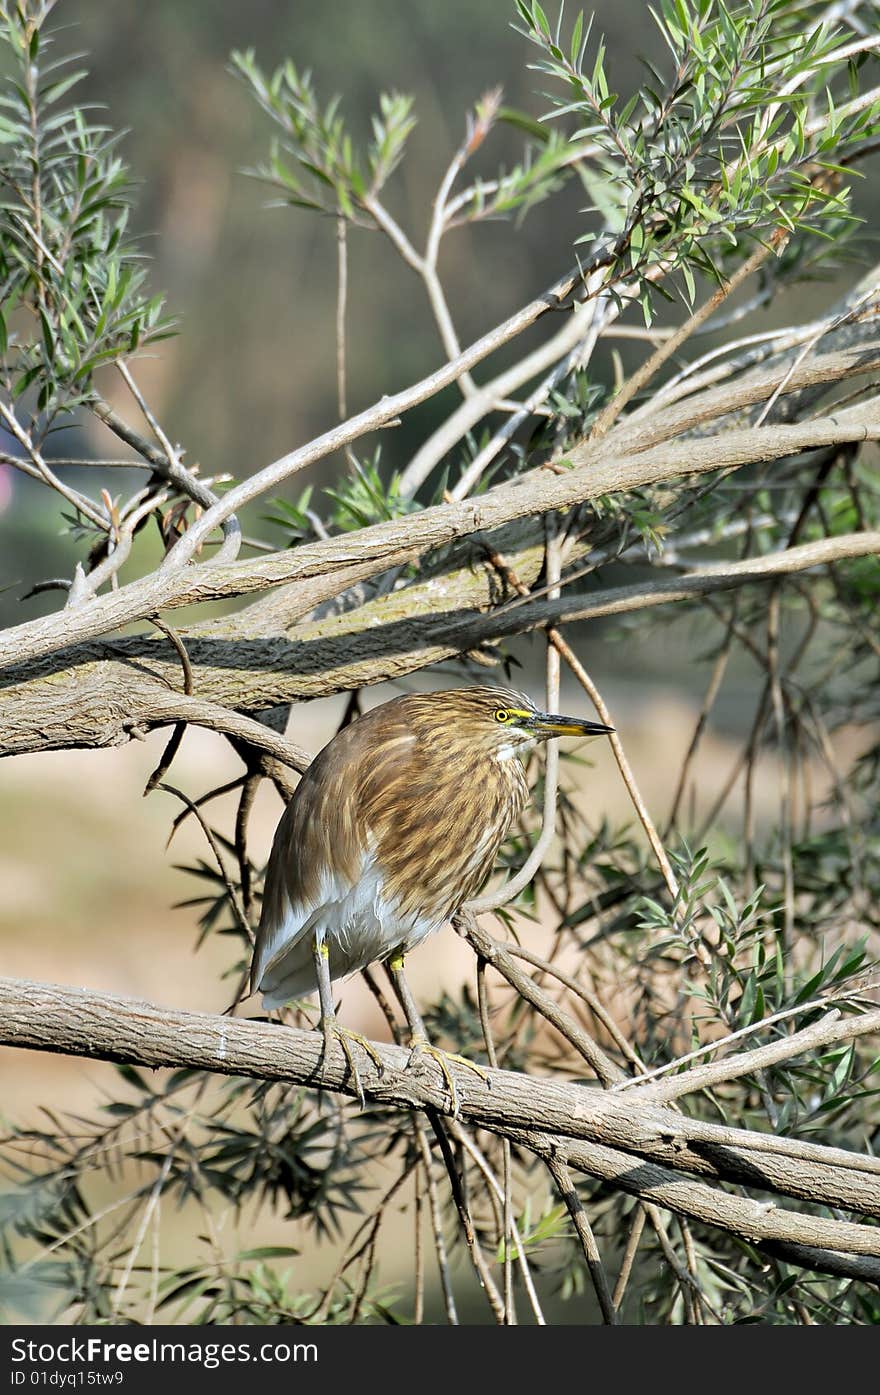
pixel 419 1042
pixel 331 1028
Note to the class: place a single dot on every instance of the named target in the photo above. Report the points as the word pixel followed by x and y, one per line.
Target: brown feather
pixel 420 782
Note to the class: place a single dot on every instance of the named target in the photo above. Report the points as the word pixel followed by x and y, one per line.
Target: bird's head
pixel 500 721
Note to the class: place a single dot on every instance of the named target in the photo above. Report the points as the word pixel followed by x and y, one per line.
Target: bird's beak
pixel 546 724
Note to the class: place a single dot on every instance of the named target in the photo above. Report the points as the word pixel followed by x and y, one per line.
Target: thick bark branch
pixel 604 1133
pixel 321 567
pixel 97 701
pixel 759 1221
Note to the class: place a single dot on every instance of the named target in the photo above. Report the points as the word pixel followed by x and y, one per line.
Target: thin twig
pixel 606 1070
pixel 634 1235
pixel 567 1190
pixel 493 900
pixel 592 1001
pixel 716 678
pixel 341 300
pixel 169 463
pixel 643 375
pixel 436 1222
pixel 419 1258
pixel 489 1041
pixel 496 1191
pixel 234 901
pixel 173 745
pixel 371 419
pixel 623 764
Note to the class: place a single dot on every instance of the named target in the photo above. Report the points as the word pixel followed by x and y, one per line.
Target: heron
pixel 392 828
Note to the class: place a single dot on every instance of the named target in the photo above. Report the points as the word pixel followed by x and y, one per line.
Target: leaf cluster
pixel 700 160
pixel 72 285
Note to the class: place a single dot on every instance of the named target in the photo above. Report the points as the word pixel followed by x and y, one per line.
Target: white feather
pixel 359 924
pixel 509 749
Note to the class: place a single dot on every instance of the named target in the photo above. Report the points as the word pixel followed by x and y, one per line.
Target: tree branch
pixel 55 704
pixel 588 1126
pixel 369 551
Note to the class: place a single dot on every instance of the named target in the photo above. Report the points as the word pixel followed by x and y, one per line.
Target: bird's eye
pixel 502 715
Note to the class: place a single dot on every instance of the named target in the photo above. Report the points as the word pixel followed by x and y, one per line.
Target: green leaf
pixel 47 332
pixel 270 1252
pixel 57 90
pixel 576 38
pixel 132 1076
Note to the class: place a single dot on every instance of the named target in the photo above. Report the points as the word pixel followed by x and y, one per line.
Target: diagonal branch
pixel 640 1146
pixel 42 709
pixel 372 550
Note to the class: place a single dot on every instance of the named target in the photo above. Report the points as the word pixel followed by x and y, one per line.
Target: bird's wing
pixel 303 887
pixel 319 866
pixel 326 872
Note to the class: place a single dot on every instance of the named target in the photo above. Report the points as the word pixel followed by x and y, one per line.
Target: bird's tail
pixel 293 977
pixel 294 974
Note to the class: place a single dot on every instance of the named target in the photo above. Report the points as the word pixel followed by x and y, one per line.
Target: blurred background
pixel 89 889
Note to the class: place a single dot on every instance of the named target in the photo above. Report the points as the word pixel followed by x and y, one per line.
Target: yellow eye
pixel 502 715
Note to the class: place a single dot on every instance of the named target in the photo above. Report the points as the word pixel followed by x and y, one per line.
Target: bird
pixel 394 825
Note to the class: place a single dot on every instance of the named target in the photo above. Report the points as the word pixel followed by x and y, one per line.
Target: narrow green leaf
pixel 576 38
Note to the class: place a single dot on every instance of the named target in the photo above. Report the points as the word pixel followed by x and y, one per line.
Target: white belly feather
pixel 357 923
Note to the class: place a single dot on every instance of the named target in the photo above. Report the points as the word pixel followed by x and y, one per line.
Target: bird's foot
pixel 333 1032
pixel 421 1045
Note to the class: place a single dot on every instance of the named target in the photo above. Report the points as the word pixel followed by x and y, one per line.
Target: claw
pixel 331 1029
pixel 421 1044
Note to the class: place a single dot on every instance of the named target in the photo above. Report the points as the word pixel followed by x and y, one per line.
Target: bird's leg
pixel 331 1028
pixel 419 1041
